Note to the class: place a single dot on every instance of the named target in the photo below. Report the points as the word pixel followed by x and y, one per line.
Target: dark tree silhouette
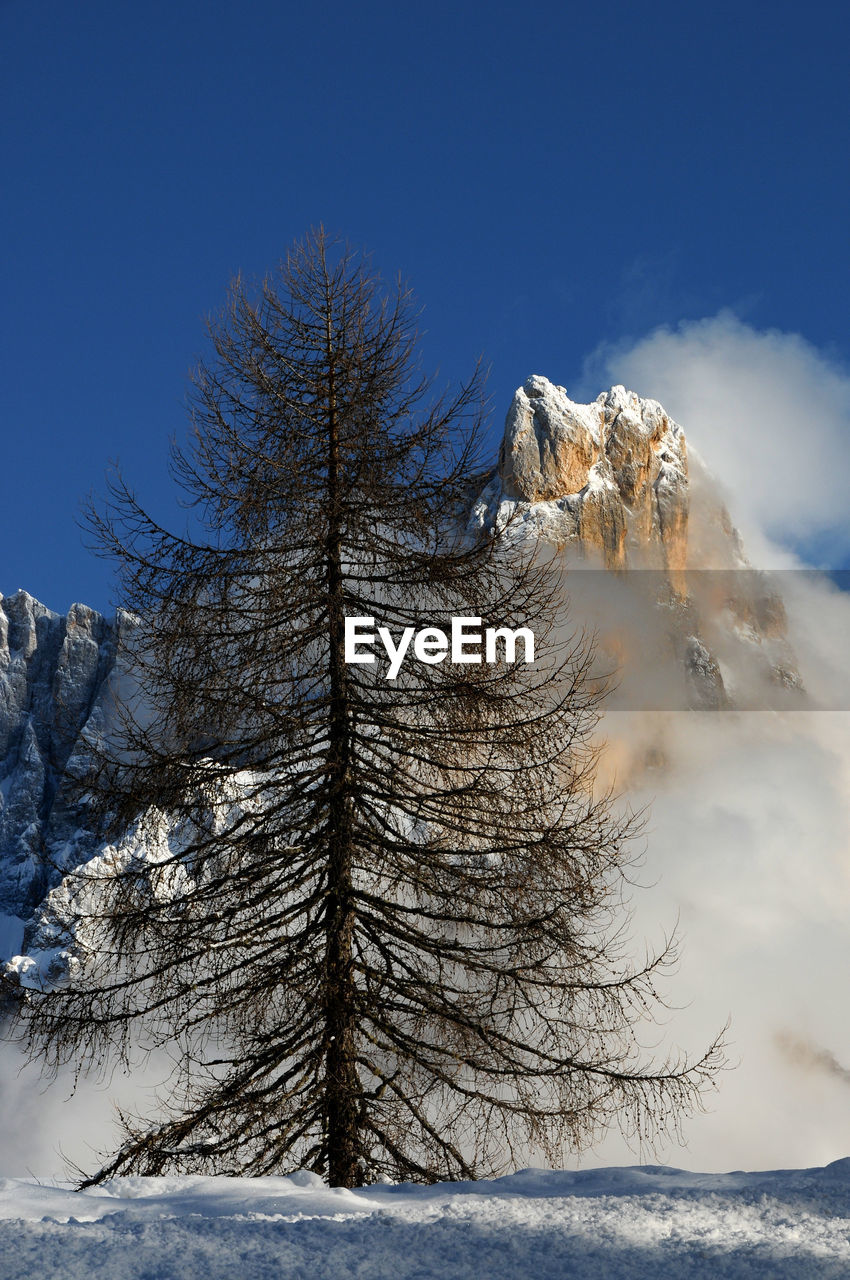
pixel 375 921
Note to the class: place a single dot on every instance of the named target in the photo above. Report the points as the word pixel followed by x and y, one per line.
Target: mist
pixel 746 848
pixel 747 844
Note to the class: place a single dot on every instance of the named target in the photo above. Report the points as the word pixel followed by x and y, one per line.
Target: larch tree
pixel 375 921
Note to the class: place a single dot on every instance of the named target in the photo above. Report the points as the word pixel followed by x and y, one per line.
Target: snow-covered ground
pixel 645 1223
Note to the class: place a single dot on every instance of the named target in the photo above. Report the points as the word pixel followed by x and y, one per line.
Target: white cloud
pixel 768 412
pixel 750 820
pixel 747 843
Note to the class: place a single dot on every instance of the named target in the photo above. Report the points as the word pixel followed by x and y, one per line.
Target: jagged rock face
pixel 611 482
pixel 550 444
pixel 53 677
pixel 616 471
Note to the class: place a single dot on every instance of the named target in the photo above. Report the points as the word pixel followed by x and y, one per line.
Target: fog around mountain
pixel 729 724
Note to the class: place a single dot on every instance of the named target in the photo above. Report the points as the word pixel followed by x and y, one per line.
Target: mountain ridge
pixel 609 485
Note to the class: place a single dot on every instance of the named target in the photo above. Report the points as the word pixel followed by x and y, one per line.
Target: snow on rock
pixel 53 690
pixel 643 1223
pixel 611 484
pixel 615 472
pixel 67 927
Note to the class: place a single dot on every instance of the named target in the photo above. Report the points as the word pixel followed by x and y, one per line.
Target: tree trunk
pixel 342 1089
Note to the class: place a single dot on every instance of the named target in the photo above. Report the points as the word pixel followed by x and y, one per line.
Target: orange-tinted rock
pixel 550 444
pixel 616 470
pixel 610 481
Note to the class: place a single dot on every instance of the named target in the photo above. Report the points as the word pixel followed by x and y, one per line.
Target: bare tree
pixel 381 935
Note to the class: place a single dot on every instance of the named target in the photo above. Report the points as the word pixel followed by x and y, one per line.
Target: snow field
pixel 616 1224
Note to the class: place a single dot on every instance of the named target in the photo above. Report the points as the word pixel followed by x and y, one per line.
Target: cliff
pixel 612 486
pixel 54 693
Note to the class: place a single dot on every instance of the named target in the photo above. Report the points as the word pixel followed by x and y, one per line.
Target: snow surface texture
pixel 649 1223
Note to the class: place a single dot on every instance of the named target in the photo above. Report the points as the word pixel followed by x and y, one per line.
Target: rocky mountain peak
pixel 612 475
pixel 610 484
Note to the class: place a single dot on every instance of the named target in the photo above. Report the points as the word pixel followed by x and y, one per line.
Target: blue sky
pixel 550 178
